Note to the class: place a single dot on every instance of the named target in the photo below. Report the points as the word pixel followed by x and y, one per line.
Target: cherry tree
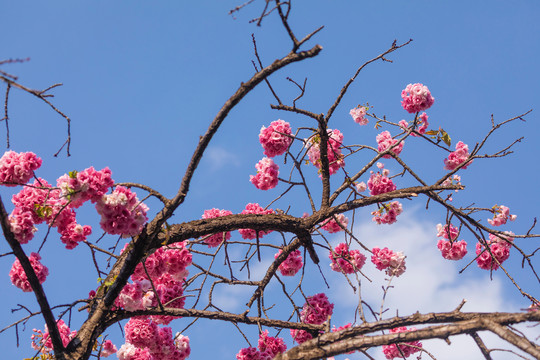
pixel 161 276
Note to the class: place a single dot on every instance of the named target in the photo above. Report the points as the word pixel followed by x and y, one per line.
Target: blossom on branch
pixel 276 139
pixel 250 234
pixel 333 226
pixel 216 239
pixel 18 276
pixel 359 115
pixel 292 264
pixel 335 157
pixel 392 262
pixel 345 260
pixel 267 174
pixel 457 157
pixel 385 142
pixel 501 214
pixel 416 98
pixel 402 349
pixel 18 168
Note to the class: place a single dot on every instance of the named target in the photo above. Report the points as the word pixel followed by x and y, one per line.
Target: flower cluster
pixel 268 348
pixel 380 183
pixel 267 174
pixel 276 139
pixel 452 250
pixel 345 260
pixel 499 251
pixel 385 142
pixel 359 115
pixel 316 311
pixel 421 125
pixel 216 239
pixel 292 264
pixel 18 276
pixel 18 168
pixel 89 184
pixel 335 157
pixel 146 340
pixel 387 213
pixel 457 157
pixel 416 97
pixel 392 262
pixel 333 226
pixel 254 208
pixel 167 270
pixel 107 349
pixel 501 214
pixel 402 349
pixel 447 231
pixel 122 213
pixel 453 180
pixel 42 342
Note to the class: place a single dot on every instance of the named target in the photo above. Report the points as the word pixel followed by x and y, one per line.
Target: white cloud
pixel 430 284
pixel 218 157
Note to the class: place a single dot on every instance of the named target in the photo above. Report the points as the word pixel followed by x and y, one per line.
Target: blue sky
pixel 143 81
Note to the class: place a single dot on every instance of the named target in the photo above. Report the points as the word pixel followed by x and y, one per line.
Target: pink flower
pixel 300 336
pixel 130 352
pixel 500 215
pixel 216 239
pixel 22 225
pixel 454 250
pixel 89 184
pixel 361 187
pixel 254 208
pixel 385 259
pixel 345 260
pixel 182 345
pixel 122 213
pixel 271 345
pixel 18 276
pixel 396 350
pixel 292 264
pixel 453 180
pixel 42 342
pixel 499 246
pixel 107 349
pixel 317 309
pixel 385 142
pixel 358 114
pixel 457 157
pixel 276 139
pixel 40 199
pixel 142 333
pixel 267 174
pixel 416 98
pixel 252 353
pixel 380 184
pixel 333 226
pixel 449 233
pixel 335 157
pixel 387 213
pixel 18 168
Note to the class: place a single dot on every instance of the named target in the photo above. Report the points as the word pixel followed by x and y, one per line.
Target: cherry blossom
pixel 271 345
pixel 122 213
pixel 501 214
pixel 387 213
pixel 345 260
pixel 267 174
pixel 380 183
pixel 276 139
pixel 89 184
pixel 499 246
pixel 216 239
pixel 392 262
pixel 447 231
pixel 333 226
pixel 42 342
pixel 18 276
pixel 359 115
pixel 335 157
pixel 396 350
pixel 385 142
pixel 457 157
pixel 292 264
pixel 254 208
pixel 454 250
pixel 317 309
pixel 416 97
pixel 18 168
